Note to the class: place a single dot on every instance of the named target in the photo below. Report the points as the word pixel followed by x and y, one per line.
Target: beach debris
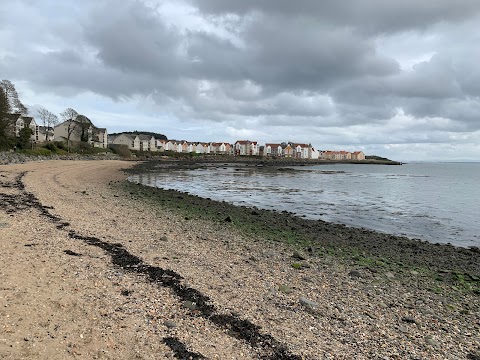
pixel 71 253
pixel 126 292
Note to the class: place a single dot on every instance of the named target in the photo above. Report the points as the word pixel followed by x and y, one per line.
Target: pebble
pixel 403 329
pixel 431 341
pixel 298 255
pixel 170 324
pixel 285 289
pixel 389 275
pixel 355 274
pixel 3 225
pixel 163 238
pixel 190 305
pixel 308 303
pixel 409 319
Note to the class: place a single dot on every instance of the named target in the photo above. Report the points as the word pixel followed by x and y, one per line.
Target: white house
pixel 20 122
pixel 132 141
pixel 246 147
pixel 274 150
pixel 44 134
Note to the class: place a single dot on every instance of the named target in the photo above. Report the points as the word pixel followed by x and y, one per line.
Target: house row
pixel 140 142
pixel 95 136
pixel 341 155
pixel 290 150
pixel 240 148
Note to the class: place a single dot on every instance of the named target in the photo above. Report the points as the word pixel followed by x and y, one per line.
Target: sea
pixel 436 202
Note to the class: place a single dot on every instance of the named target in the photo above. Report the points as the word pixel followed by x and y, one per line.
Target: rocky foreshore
pixel 96 267
pixel 7 157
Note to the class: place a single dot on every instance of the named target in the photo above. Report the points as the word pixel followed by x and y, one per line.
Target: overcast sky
pixel 399 79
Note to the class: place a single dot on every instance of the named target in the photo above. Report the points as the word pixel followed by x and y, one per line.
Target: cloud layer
pixel 374 74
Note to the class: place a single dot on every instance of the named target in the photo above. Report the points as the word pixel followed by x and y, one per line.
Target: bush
pixel 61 145
pixel 36 152
pixel 51 146
pixel 121 150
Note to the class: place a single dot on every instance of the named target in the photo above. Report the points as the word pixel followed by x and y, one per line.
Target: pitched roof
pixel 144 137
pixel 272 145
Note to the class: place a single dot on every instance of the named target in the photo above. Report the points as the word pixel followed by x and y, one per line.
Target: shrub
pixel 121 150
pixel 37 152
pixel 51 146
pixel 61 145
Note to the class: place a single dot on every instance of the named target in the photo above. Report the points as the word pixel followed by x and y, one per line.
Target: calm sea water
pixel 437 202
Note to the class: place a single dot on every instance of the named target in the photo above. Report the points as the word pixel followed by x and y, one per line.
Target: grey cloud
pixel 367 15
pixel 132 39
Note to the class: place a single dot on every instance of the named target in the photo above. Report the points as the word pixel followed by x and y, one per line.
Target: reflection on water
pixel 435 202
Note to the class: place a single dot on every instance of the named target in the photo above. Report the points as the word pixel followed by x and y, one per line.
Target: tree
pixel 12 96
pixel 24 138
pixel 70 117
pixel 6 124
pixel 85 124
pixel 48 119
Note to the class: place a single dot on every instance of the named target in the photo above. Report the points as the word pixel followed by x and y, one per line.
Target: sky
pixel 399 79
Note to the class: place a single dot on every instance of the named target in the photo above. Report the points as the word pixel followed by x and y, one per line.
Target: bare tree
pixel 12 96
pixel 70 117
pixel 49 120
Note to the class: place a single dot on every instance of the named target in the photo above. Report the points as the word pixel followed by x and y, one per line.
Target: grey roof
pixel 144 137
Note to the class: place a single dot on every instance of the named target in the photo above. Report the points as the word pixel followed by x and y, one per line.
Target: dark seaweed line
pixel 267 346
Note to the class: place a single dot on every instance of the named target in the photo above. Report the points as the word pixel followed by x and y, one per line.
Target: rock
pixel 298 255
pixel 409 319
pixel 170 324
pixel 355 274
pixel 308 303
pixel 390 275
pixel 228 219
pixel 403 329
pixel 413 272
pixel 3 225
pixel 163 238
pixel 285 289
pixel 431 341
pixel 474 356
pixel 190 305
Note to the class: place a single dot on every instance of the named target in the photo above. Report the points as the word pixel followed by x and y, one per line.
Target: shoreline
pixel 369 246
pixel 97 267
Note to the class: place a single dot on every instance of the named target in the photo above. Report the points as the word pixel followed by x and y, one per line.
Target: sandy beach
pixel 92 268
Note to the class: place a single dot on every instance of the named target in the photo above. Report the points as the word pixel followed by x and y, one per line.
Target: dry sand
pixel 86 272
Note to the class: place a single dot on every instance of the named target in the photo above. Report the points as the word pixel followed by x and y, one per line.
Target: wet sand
pixel 92 267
